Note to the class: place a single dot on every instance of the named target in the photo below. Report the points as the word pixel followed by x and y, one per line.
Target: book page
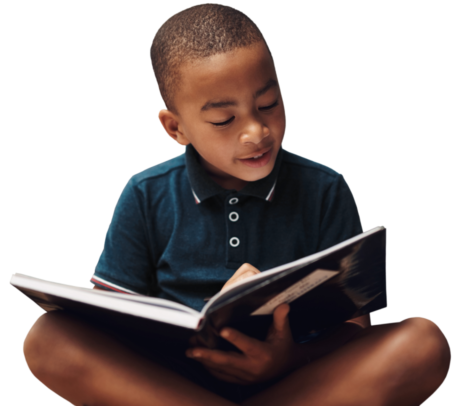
pixel 294 291
pixel 46 293
pixel 32 283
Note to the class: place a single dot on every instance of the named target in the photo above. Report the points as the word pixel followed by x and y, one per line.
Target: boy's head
pixel 217 78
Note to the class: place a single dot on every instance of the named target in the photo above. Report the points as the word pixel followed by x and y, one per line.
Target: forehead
pixel 236 74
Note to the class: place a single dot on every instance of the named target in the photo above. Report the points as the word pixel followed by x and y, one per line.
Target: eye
pixel 229 121
pixel 270 107
pixel 224 123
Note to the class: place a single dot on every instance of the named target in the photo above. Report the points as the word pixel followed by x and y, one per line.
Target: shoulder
pixel 158 178
pixel 160 172
pixel 158 183
pixel 304 170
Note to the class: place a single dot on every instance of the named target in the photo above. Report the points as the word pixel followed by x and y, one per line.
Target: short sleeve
pixel 125 264
pixel 339 215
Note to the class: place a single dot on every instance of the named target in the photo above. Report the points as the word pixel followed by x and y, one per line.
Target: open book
pixel 323 289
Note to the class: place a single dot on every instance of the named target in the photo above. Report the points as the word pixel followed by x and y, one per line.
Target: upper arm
pixel 339 215
pixel 126 263
pixel 363 321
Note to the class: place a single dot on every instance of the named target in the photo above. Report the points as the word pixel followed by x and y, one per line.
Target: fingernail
pixel 225 333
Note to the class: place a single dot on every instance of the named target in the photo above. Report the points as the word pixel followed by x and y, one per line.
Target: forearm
pixel 307 352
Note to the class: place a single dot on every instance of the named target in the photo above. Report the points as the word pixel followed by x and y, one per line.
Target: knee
pixel 36 346
pixel 48 348
pixel 431 343
pixel 428 340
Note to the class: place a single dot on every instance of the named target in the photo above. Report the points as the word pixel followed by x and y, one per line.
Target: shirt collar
pixel 203 187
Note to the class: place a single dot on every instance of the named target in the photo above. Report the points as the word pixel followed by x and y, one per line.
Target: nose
pixel 254 132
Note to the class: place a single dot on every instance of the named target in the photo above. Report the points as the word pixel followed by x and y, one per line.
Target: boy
pixel 235 201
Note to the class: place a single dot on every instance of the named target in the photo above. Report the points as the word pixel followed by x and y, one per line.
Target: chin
pixel 256 177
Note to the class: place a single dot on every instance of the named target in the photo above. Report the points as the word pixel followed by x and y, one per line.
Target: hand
pixel 260 360
pixel 243 272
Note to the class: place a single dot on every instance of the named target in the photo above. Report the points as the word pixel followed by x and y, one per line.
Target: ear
pixel 170 122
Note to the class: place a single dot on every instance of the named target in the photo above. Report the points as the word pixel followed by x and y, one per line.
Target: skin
pixel 245 86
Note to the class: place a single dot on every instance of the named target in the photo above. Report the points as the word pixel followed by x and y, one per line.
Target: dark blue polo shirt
pixel 178 235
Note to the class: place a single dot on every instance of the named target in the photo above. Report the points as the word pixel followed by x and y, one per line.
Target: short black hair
pixel 196 33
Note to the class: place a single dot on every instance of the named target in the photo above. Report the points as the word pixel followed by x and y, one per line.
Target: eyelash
pixel 231 119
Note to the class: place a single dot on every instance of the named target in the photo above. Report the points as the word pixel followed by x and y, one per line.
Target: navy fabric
pixel 175 234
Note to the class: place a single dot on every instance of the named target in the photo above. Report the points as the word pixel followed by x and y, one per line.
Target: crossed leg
pixel 399 364
pixel 89 368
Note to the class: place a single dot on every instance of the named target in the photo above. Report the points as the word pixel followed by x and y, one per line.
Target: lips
pixel 257 153
pixel 258 162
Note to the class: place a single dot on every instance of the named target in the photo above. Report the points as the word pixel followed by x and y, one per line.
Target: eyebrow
pixel 226 103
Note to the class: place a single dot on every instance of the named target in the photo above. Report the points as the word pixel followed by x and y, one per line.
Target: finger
pixel 228 359
pixel 280 317
pixel 280 329
pixel 250 346
pixel 228 369
pixel 252 269
pixel 240 372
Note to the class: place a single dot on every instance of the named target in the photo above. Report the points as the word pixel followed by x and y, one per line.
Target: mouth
pixel 257 154
pixel 258 159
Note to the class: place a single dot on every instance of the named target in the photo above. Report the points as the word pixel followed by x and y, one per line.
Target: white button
pixel 234 242
pixel 233 200
pixel 234 216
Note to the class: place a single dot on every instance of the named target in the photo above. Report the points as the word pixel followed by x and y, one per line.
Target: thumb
pixel 280 318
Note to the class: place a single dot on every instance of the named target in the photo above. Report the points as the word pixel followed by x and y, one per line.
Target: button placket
pixel 234 216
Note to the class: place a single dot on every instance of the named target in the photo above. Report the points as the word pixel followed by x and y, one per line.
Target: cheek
pixel 220 159
pixel 278 123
